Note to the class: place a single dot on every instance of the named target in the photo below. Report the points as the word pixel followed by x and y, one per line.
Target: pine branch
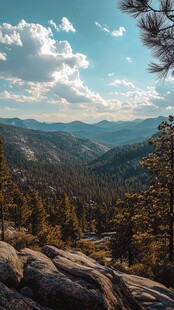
pixel 156 24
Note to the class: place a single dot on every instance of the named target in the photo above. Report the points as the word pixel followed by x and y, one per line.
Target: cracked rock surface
pixel 68 280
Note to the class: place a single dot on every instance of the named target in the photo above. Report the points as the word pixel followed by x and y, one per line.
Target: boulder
pixel 10 265
pixel 63 280
pixel 57 286
pixel 110 290
pixel 150 294
pixel 12 300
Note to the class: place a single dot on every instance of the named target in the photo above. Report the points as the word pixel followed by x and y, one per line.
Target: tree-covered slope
pixel 57 162
pixel 121 160
pixel 55 147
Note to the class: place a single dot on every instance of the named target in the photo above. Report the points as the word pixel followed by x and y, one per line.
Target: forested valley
pixel 126 191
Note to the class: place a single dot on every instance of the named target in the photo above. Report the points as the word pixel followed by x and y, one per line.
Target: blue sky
pixel 65 60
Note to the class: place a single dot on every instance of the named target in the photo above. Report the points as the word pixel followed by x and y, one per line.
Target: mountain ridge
pixel 61 161
pixel 56 145
pixel 105 132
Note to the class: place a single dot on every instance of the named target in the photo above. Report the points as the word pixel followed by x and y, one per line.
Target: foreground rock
pixel 70 280
pixel 150 294
pixel 11 300
pixel 62 280
pixel 10 265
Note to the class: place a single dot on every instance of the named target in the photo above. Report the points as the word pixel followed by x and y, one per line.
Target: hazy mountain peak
pixel 105 132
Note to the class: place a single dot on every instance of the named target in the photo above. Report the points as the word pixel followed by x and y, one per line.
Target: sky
pixel 66 60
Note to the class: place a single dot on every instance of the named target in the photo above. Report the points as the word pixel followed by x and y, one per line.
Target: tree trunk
pixel 171 226
pixel 171 206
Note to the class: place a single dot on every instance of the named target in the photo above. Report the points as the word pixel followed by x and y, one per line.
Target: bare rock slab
pixel 57 279
pixel 10 265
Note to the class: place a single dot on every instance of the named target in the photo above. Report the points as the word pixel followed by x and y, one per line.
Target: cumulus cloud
pixel 37 68
pixel 43 69
pixel 114 33
pixel 38 59
pixel 144 102
pixel 122 82
pixel 9 35
pixel 65 25
pixel 38 56
pixel 138 95
pixel 148 101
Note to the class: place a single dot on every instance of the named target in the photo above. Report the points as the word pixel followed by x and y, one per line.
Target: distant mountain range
pixel 51 147
pixel 105 132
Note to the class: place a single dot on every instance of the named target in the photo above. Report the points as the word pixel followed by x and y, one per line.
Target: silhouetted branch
pixel 156 23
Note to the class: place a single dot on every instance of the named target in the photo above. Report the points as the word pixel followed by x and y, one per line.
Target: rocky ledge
pixel 64 280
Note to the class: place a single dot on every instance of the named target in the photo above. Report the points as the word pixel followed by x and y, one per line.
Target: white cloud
pixel 142 102
pixel 122 83
pixel 39 56
pixel 103 28
pixel 62 102
pixel 66 25
pixel 118 33
pixel 43 69
pixel 52 23
pixel 18 98
pixel 169 108
pixel 3 56
pixel 9 36
pixel 114 33
pixel 129 59
pixel 138 95
pixel 111 74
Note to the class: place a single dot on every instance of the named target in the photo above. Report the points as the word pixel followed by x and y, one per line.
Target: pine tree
pixel 2 170
pixel 73 228
pixel 5 184
pixel 81 215
pixel 68 221
pixel 38 215
pixel 19 211
pixel 160 164
pixel 101 218
pixel 150 234
pixel 123 244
